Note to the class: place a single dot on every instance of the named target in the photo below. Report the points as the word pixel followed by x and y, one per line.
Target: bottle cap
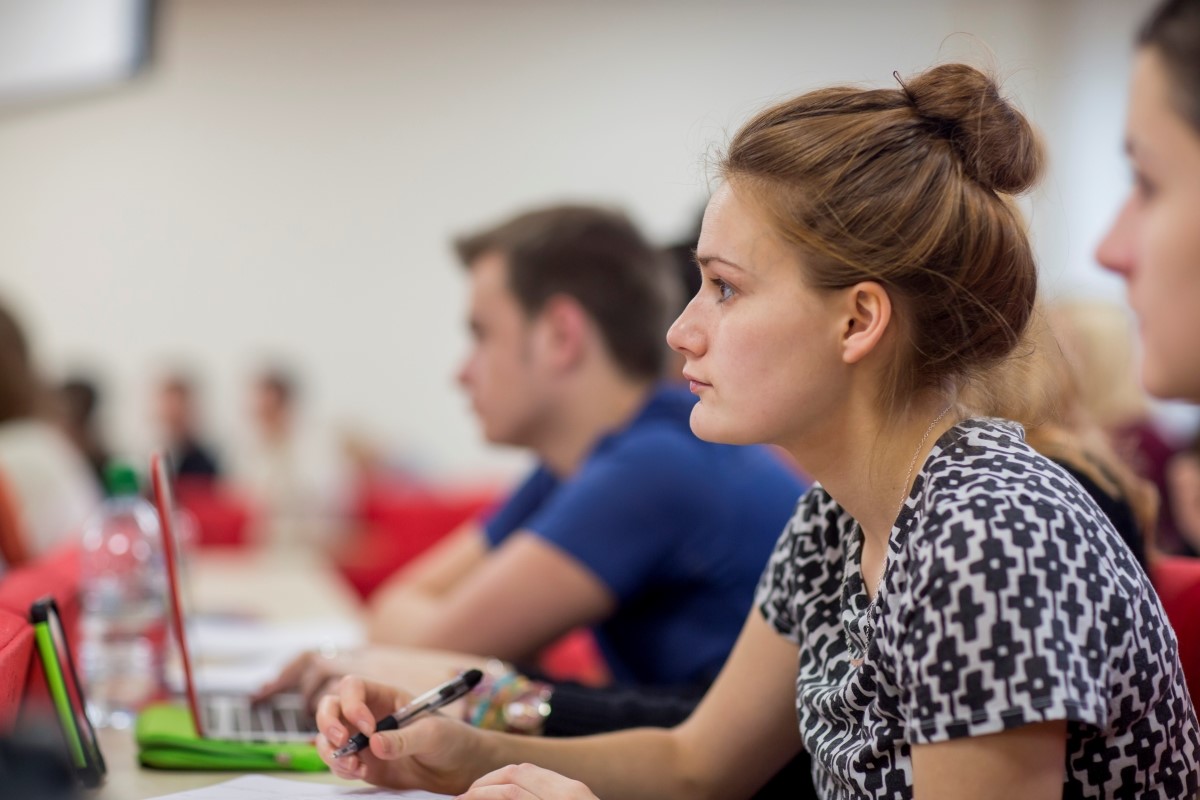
pixel 121 479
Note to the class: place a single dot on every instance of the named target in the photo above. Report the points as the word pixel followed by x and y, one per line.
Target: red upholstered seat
pixel 222 516
pixel 1177 580
pixel 575 656
pixel 56 574
pixel 16 656
pixel 396 523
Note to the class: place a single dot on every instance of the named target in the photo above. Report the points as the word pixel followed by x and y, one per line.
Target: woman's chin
pixel 711 428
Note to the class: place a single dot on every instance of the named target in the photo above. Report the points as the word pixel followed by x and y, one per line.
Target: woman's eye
pixel 725 290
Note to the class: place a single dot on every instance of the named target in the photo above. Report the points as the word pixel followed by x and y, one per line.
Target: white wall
pixel 286 179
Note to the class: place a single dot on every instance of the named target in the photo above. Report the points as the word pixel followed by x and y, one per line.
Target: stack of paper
pixel 261 787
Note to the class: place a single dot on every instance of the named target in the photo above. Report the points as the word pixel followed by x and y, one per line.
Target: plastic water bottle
pixel 124 603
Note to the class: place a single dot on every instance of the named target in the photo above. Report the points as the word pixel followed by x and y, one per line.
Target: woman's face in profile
pixel 761 348
pixel 1155 241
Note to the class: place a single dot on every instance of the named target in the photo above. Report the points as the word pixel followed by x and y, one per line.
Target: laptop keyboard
pixel 279 719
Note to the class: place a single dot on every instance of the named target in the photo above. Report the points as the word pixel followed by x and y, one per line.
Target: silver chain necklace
pixel 869 627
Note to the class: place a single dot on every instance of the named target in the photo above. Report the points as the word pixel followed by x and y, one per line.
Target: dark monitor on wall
pixel 56 49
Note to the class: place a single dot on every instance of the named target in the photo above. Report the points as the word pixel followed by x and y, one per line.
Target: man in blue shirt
pixel 630 524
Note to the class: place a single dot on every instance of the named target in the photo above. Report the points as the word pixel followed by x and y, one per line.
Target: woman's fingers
pixel 524 781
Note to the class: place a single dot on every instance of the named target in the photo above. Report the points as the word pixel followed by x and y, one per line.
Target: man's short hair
pixel 595 256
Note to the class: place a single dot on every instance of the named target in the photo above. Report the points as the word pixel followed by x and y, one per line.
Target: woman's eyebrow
pixel 705 260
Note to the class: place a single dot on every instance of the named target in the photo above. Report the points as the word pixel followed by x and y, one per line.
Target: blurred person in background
pixel 572 709
pixel 1183 474
pixel 295 479
pixel 48 480
pixel 179 420
pixel 1154 243
pixel 1099 343
pixel 630 523
pixel 1038 387
pixel 78 403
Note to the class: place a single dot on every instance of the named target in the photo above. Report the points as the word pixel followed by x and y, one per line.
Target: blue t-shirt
pixel 677 528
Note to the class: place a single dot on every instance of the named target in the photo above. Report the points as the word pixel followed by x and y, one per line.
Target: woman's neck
pixel 868 461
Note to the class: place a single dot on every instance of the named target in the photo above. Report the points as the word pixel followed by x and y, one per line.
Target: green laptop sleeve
pixel 167 739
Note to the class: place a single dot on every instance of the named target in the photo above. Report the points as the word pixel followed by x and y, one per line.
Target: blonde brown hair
pixel 906 187
pixel 1040 387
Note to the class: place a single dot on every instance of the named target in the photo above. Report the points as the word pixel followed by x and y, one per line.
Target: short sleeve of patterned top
pixel 1008 599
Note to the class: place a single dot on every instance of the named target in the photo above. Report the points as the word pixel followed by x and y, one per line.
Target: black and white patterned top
pixel 1008 599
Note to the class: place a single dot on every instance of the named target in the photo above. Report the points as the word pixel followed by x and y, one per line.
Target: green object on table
pixel 167 739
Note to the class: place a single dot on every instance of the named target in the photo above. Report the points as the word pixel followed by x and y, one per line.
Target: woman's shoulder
pixel 817 524
pixel 986 465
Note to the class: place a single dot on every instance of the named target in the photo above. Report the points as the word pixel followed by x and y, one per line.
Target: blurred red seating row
pixel 394 522
pixel 223 516
pixel 56 574
pixel 1177 581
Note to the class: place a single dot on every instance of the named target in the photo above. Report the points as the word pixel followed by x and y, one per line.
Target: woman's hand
pixel 526 782
pixel 434 753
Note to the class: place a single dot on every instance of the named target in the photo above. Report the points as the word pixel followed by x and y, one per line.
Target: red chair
pixel 1177 580
pixel 396 523
pixel 576 657
pixel 56 574
pixel 16 656
pixel 222 516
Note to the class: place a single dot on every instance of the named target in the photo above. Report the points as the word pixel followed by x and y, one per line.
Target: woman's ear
pixel 868 314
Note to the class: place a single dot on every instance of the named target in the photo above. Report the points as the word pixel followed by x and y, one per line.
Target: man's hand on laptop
pixel 315 673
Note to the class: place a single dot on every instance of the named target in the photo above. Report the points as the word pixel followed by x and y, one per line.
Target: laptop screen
pixel 164 500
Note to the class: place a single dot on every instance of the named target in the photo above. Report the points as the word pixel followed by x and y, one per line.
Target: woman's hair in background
pixel 1044 387
pixel 1173 32
pixel 908 187
pixel 20 390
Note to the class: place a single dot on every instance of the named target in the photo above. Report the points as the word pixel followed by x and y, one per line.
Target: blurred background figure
pixel 49 484
pixel 294 479
pixel 79 399
pixel 1098 341
pixel 1039 388
pixel 179 419
pixel 1183 476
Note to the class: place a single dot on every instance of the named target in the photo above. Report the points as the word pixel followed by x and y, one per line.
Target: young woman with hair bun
pixel 948 614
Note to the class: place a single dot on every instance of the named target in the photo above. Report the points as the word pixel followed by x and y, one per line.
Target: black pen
pixel 432 700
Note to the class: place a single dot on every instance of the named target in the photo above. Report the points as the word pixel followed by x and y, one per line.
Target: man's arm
pixel 507 602
pixel 415 591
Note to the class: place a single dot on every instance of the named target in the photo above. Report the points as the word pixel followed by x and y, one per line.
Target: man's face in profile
pixel 500 373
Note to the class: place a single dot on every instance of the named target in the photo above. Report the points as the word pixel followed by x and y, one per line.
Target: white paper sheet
pixel 261 787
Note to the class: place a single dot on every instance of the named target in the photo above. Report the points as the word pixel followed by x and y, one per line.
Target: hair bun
pixel 996 143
